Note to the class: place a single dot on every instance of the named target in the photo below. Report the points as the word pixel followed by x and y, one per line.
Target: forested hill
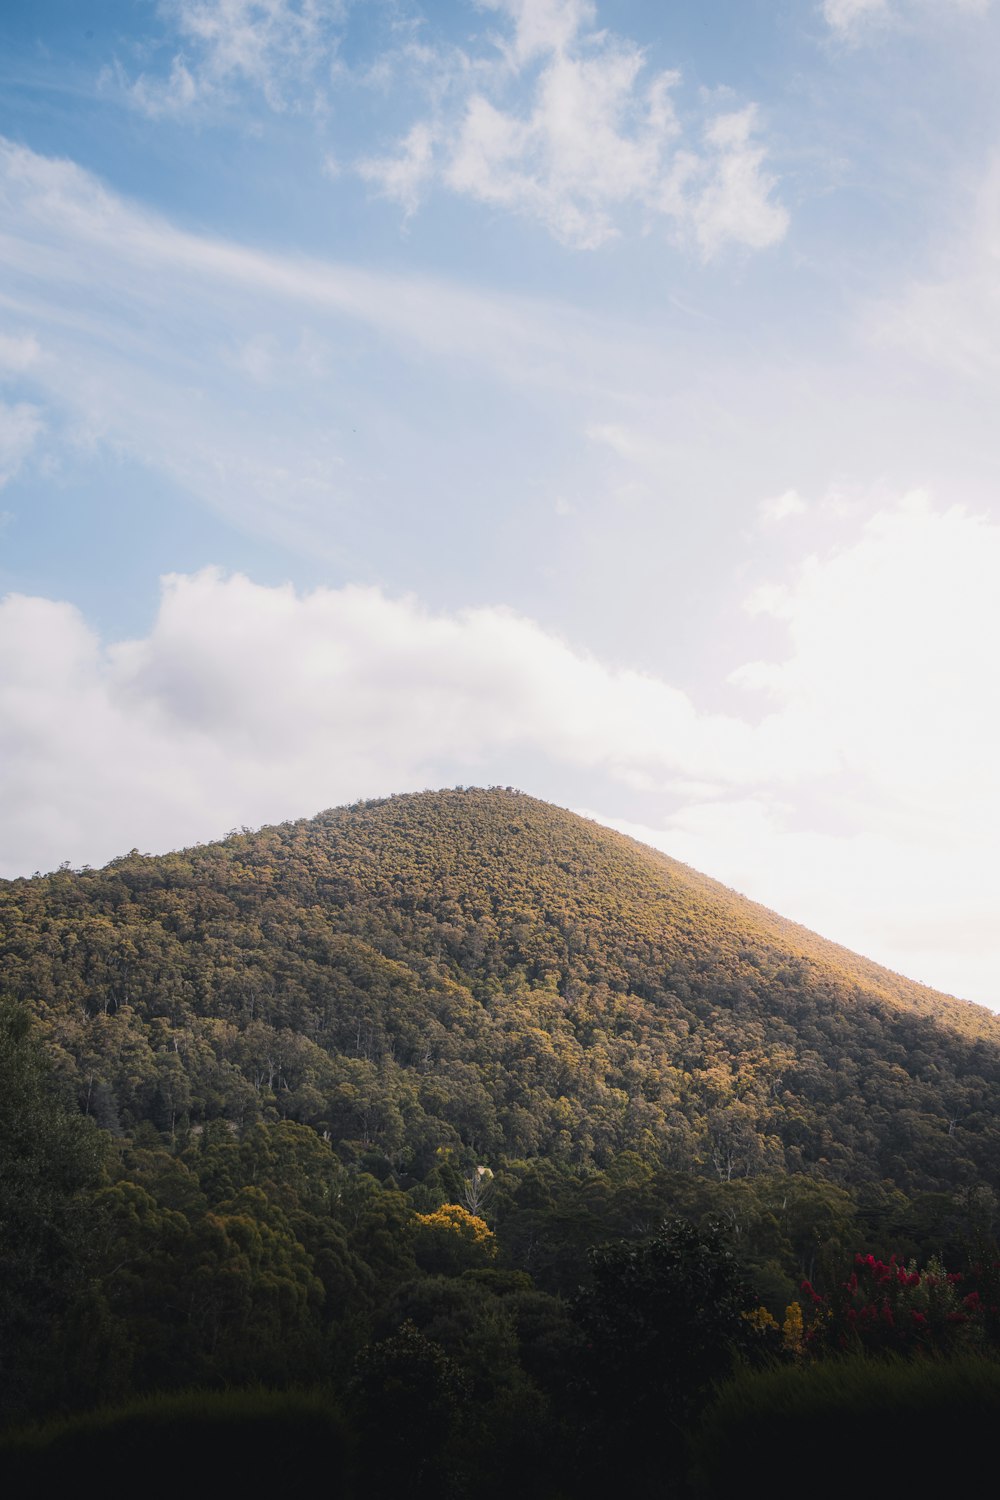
pixel 477 970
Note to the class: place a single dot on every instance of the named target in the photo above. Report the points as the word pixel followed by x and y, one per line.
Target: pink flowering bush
pixel 886 1306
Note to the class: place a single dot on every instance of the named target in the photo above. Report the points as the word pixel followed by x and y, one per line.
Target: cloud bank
pixel 854 789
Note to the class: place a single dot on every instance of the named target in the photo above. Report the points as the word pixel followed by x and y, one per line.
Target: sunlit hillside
pixel 481 971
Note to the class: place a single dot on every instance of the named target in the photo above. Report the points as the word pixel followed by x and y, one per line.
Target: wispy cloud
pixel 405 174
pixel 276 48
pixel 780 507
pixel 951 318
pixel 20 425
pixel 849 18
pixel 133 330
pixel 861 20
pixel 64 228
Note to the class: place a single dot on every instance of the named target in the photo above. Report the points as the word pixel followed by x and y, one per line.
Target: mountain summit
pixel 477 971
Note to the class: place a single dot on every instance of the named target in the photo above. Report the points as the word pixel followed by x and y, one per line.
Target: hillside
pixel 481 972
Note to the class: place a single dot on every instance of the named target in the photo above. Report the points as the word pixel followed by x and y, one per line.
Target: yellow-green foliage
pixel 454 1219
pixel 793 1331
pixel 760 1320
pixel 452 1240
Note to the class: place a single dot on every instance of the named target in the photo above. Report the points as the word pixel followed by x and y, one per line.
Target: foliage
pixel 452 1240
pixel 295 1052
pixel 407 1396
pixel 664 1319
pixel 49 1156
pixel 888 1306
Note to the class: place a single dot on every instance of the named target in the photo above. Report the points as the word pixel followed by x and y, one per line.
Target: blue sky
pixel 598 398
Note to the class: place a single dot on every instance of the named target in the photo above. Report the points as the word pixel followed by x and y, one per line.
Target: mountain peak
pixel 477 969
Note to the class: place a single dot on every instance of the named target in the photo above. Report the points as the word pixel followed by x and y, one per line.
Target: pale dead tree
pixel 477 1190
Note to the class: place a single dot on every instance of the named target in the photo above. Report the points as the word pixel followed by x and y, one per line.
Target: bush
pixel 193 1438
pixel 853 1425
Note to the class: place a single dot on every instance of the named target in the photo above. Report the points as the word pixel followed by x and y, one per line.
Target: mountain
pixel 478 972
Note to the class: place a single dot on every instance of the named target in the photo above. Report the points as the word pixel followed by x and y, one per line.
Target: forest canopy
pixel 492 1124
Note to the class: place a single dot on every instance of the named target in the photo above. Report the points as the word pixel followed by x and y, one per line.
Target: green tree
pixel 664 1319
pixel 50 1156
pixel 407 1397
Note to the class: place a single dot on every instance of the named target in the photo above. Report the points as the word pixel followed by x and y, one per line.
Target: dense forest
pixel 508 1136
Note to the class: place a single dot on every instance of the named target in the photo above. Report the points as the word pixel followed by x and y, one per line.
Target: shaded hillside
pixel 478 970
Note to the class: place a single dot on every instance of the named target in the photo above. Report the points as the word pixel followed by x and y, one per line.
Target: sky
pixel 595 398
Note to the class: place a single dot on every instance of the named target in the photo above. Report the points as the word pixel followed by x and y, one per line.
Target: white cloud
pixel 247 702
pixel 592 141
pixel 893 658
pixel 863 801
pixel 591 134
pixel 402 177
pixel 544 115
pixel 735 205
pixel 543 26
pixel 780 507
pixel 159 97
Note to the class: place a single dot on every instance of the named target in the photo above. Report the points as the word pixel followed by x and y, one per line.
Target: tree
pixel 477 1190
pixel 49 1156
pixel 452 1240
pixel 664 1319
pixel 407 1396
